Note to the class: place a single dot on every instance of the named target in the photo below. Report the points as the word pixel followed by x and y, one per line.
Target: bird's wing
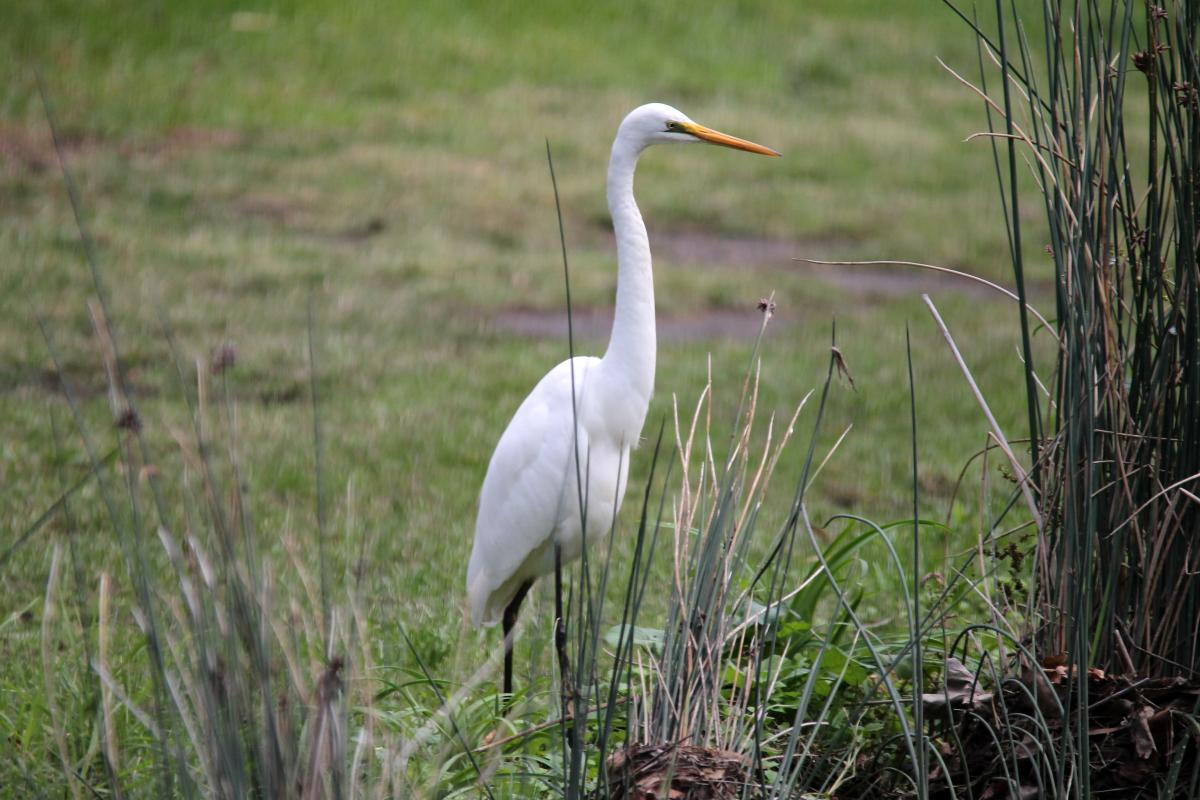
pixel 520 500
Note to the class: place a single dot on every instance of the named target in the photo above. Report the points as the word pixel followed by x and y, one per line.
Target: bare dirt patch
pixel 32 149
pixel 299 213
pixel 595 324
pixel 275 208
pixel 702 249
pixel 705 249
pixel 688 246
pixel 186 138
pixel 85 383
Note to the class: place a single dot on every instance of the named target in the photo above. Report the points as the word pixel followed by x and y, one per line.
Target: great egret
pixel 534 498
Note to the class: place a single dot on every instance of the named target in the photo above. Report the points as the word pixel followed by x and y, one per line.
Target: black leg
pixel 510 619
pixel 560 634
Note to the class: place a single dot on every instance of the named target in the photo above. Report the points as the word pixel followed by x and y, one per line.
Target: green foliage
pixel 386 162
pixel 1098 103
pixel 1115 444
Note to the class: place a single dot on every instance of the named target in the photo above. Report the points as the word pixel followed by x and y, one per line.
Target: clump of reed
pixel 1099 106
pixel 1094 108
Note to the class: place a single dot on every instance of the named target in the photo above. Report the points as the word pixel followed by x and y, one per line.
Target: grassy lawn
pixel 388 162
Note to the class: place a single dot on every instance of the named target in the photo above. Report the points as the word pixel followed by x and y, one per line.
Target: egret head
pixel 658 123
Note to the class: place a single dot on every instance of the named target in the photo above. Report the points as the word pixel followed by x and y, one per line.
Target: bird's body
pixel 532 489
pixel 555 462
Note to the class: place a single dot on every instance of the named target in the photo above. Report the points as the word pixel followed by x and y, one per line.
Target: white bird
pixel 530 504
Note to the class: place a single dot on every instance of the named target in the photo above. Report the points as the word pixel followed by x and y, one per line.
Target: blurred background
pixel 384 164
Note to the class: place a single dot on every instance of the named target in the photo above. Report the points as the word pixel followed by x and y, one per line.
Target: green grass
pixel 389 162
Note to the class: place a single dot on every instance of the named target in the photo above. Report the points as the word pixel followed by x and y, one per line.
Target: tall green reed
pixel 1100 106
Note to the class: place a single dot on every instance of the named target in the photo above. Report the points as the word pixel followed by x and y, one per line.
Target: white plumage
pixel 530 499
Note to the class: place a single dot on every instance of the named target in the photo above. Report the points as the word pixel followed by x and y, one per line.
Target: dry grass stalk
pixel 104 635
pixel 50 621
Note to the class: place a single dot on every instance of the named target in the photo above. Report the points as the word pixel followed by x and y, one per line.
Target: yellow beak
pixel 725 140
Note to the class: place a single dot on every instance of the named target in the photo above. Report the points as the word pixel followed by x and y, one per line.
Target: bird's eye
pixel 673 126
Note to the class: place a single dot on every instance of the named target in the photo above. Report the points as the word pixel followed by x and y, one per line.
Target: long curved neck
pixel 631 349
